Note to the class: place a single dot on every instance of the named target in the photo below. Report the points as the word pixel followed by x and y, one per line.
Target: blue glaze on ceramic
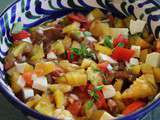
pixel 34 12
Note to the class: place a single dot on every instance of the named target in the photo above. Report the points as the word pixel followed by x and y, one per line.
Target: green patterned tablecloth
pixel 9 112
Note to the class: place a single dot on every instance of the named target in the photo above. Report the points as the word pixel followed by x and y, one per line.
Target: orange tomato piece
pixel 27 76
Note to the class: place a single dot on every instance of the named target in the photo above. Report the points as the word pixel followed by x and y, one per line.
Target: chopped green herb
pixel 17 27
pixel 96 70
pixel 87 34
pixel 108 41
pixel 105 81
pixel 83 52
pixel 120 44
pixel 89 104
pixel 99 88
pixel 72 56
pixel 78 33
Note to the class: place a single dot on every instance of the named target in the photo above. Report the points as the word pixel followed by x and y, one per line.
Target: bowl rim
pixel 33 113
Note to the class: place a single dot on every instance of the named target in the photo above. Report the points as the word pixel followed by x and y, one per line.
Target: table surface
pixel 9 112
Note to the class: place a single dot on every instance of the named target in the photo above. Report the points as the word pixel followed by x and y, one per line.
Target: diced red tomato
pixel 19 36
pixel 120 39
pixel 103 67
pixel 100 102
pixel 75 108
pixel 71 56
pixel 133 107
pixel 122 54
pixel 81 19
pixel 77 17
pixel 27 76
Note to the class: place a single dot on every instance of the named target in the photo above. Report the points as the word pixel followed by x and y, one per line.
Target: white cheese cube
pixel 20 67
pixel 133 61
pixel 103 57
pixel 51 55
pixel 21 82
pixel 136 26
pixel 39 83
pixel 90 39
pixel 27 93
pixel 137 50
pixel 153 59
pixel 28 39
pixel 108 91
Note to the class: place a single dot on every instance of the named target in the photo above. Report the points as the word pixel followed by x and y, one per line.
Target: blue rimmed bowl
pixel 34 12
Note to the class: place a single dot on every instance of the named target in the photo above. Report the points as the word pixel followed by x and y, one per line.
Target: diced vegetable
pixel 27 76
pixel 33 101
pixel 98 28
pixel 101 115
pixel 120 31
pixel 39 83
pixel 87 63
pixel 45 67
pixel 67 42
pixel 27 93
pixel 18 50
pixel 156 72
pixel 76 78
pixel 23 67
pixel 108 91
pixel 37 53
pixel 102 58
pixel 145 83
pixel 133 107
pixel 51 55
pixel 102 49
pixel 118 84
pixel 68 66
pixel 135 69
pixel 136 26
pixel 59 99
pixel 153 59
pixel 120 39
pixel 21 35
pixel 62 87
pixel 44 106
pixel 14 85
pixel 143 55
pixel 95 14
pixel 58 47
pixel 71 28
pixel 146 69
pixel 75 108
pixel 62 114
pixel 137 50
pixel 17 27
pixel 122 54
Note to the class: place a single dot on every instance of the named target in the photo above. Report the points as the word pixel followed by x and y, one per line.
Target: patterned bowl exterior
pixel 34 12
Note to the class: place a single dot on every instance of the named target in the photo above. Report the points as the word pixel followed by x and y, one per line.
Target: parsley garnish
pixel 108 41
pixel 89 104
pixel 83 52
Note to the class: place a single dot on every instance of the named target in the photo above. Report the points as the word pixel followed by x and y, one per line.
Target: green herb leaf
pixel 89 104
pixel 76 50
pixel 96 70
pixel 105 81
pixel 72 56
pixel 120 44
pixel 17 27
pixel 87 33
pixel 99 88
pixel 96 97
pixel 108 41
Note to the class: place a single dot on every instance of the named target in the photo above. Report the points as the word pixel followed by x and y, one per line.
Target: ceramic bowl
pixel 34 12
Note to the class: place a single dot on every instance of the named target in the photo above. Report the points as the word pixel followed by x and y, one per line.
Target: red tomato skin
pixel 122 54
pixel 75 108
pixel 19 36
pixel 133 107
